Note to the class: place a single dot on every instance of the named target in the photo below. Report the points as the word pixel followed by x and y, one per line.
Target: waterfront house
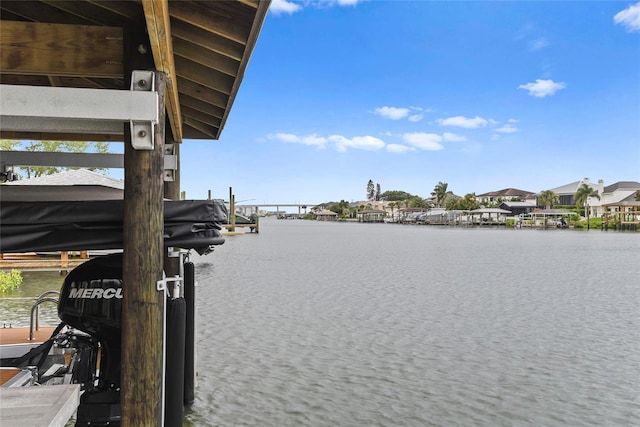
pixel 326 215
pixel 566 193
pixel 623 214
pixel 621 193
pixel 505 195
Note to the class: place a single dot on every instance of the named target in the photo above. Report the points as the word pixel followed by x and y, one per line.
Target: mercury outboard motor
pixel 91 301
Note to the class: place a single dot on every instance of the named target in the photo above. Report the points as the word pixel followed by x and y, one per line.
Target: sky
pixel 482 95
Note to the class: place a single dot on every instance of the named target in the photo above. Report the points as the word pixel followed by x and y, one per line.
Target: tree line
pixel 51 146
pixel 442 197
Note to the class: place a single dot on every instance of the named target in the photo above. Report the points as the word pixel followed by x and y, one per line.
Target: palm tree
pixel 549 198
pixel 582 195
pixel 392 205
pixel 441 191
pixel 468 202
pixel 582 198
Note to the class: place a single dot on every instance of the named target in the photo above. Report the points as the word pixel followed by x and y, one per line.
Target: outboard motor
pixel 91 301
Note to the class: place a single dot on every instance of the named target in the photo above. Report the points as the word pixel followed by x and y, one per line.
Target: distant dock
pixel 61 261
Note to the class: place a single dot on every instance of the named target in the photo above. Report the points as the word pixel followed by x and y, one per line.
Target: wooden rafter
pixel 159 29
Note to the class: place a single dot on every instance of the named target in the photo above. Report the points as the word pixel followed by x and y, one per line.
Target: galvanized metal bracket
pixel 162 285
pixel 143 131
pixel 170 162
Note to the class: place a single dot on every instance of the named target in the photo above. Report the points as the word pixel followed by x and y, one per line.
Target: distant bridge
pixel 255 207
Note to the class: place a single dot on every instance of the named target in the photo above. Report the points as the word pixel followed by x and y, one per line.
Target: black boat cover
pixel 77 225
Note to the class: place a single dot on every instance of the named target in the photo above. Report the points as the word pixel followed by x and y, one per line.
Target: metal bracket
pixel 142 132
pixel 170 162
pixel 161 285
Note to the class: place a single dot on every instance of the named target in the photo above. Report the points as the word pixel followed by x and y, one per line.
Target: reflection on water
pixel 15 305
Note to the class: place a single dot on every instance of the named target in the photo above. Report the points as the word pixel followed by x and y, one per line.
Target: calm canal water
pixel 327 324
pixel 343 324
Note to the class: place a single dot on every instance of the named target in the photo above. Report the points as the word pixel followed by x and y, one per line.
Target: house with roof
pixel 506 195
pixel 74 184
pixel 566 193
pixel 623 214
pixel 619 194
pixel 326 215
pixel 518 208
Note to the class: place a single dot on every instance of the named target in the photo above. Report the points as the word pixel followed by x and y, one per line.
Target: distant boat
pixel 243 219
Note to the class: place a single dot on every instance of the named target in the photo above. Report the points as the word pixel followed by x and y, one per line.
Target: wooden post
pixel 232 211
pixel 142 304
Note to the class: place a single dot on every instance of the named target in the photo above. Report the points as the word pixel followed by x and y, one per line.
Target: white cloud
pixel 369 143
pixel 464 122
pixel 415 118
pixel 398 148
pixel 278 7
pixel 313 139
pixel 283 6
pixel 542 88
pixel 507 129
pixel 537 44
pixel 424 141
pixel 284 137
pixel 513 120
pixel 629 18
pixel 392 113
pixel 452 137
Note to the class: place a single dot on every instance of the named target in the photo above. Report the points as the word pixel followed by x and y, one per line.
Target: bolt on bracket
pixel 142 131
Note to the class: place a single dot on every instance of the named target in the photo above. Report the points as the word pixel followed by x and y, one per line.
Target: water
pixel 327 324
pixel 332 324
pixel 15 305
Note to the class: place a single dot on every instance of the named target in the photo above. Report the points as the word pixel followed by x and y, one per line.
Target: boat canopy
pixel 31 222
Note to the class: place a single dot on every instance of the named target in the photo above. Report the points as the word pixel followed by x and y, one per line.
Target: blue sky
pixel 480 95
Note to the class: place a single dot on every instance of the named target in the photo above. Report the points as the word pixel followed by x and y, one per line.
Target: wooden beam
pixel 251 3
pixel 221 45
pixel 60 49
pixel 202 127
pixel 156 14
pixel 207 77
pixel 203 107
pixel 206 57
pixel 192 113
pixel 224 20
pixel 142 304
pixel 203 93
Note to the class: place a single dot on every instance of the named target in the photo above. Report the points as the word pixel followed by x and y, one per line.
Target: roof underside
pixel 203 47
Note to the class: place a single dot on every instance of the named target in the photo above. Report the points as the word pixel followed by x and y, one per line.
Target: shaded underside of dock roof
pixel 203 47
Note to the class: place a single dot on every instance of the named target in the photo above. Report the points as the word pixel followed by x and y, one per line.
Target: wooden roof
pixel 202 46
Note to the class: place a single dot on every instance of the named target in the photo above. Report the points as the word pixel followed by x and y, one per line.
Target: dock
pixel 45 406
pixel 62 261
pixel 232 228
